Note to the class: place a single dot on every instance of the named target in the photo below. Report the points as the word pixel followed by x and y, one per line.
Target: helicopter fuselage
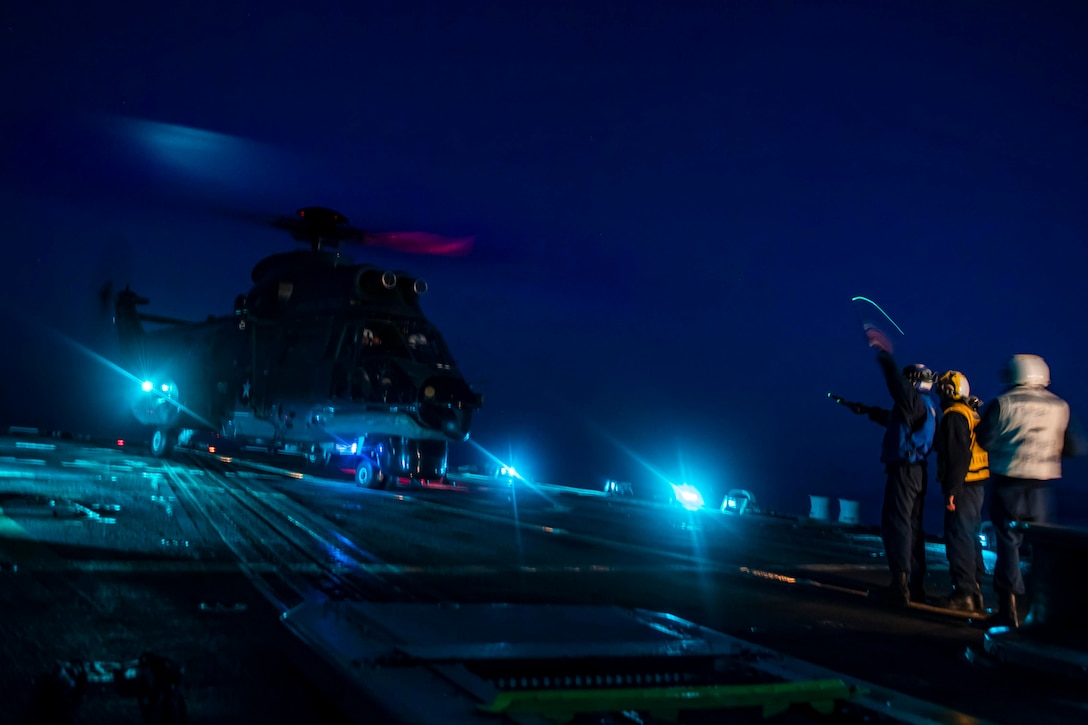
pixel 321 355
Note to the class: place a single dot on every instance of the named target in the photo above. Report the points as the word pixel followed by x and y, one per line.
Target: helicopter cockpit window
pixel 369 339
pixel 425 345
pixel 411 339
pixel 379 337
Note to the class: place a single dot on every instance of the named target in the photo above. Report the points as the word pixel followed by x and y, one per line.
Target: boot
pixel 917 591
pixel 979 602
pixel 964 599
pixel 1007 614
pixel 897 592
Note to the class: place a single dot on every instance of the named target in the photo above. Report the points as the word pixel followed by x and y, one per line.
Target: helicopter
pixel 321 357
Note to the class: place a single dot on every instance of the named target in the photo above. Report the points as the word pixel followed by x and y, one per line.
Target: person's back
pixel 1025 433
pixel 912 419
pixel 908 439
pixel 909 426
pixel 962 470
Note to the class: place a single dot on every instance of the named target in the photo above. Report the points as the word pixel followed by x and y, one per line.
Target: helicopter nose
pixel 452 421
pixel 447 392
pixel 452 428
pixel 446 405
pixel 457 427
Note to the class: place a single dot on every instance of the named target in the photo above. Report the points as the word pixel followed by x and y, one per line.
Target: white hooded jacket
pixel 1025 433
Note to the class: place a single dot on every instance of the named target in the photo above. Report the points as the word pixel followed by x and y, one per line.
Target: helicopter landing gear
pixel 162 442
pixel 367 474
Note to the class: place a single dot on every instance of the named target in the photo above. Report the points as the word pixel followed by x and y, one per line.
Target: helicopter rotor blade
pixel 421 243
pixel 332 228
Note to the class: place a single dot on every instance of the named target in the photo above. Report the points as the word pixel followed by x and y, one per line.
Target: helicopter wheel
pixel 161 443
pixel 366 475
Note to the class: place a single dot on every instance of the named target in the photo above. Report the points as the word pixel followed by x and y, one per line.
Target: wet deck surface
pixel 108 553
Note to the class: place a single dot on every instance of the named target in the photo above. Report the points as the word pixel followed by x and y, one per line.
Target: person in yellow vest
pixel 962 470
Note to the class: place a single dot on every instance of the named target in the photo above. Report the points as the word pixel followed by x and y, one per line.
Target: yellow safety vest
pixel 979 470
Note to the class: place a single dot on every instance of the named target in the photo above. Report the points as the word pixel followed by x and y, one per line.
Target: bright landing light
pixel 688 496
pixel 146 386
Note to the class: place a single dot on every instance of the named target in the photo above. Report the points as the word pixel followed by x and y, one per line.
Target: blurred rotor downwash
pixel 880 330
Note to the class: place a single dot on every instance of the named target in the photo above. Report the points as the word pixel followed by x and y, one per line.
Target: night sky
pixel 673 205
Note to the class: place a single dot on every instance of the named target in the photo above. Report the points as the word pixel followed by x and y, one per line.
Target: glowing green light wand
pixel 874 332
pixel 881 311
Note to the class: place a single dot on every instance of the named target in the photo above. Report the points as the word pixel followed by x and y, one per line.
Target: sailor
pixel 962 470
pixel 1026 430
pixel 910 426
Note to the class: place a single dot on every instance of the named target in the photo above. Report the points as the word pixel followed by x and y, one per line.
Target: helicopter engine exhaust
pixel 370 281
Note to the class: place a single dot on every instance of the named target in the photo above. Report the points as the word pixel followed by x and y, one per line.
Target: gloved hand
pixel 875 337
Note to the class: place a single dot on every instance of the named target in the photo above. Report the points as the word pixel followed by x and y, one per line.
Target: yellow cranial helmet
pixel 953 385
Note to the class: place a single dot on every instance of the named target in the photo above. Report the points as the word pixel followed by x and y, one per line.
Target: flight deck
pixel 289 594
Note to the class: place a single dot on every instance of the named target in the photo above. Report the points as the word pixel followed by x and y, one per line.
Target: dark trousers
pixel 961 531
pixel 901 520
pixel 1015 499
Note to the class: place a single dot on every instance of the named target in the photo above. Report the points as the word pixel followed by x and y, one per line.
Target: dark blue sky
pixel 673 202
